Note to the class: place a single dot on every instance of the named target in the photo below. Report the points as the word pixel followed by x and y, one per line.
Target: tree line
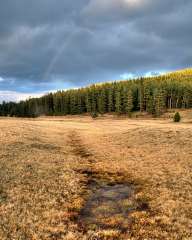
pixel 153 94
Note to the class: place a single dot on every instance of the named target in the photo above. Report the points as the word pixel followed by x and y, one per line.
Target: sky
pixel 47 45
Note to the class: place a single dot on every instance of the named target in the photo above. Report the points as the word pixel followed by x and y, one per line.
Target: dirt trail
pixel 109 200
pixel 79 148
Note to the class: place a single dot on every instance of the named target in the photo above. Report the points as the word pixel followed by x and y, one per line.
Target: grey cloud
pixel 44 42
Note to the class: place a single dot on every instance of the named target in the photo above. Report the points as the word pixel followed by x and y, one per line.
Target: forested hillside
pixel 154 95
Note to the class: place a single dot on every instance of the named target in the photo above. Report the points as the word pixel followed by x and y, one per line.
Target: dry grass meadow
pixel 53 169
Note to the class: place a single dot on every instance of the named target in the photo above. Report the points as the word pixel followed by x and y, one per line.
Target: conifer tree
pixel 118 102
pixel 101 103
pixel 177 117
pixel 141 95
pixel 79 104
pixel 93 102
pixel 73 103
pixel 159 102
pixel 110 100
pixel 129 106
pixel 88 102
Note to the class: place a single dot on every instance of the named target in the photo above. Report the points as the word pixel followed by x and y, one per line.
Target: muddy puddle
pixel 108 206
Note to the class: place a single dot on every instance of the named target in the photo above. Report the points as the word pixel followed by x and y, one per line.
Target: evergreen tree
pixel 88 102
pixel 73 103
pixel 129 106
pixel 177 117
pixel 110 100
pixel 159 102
pixel 93 101
pixel 141 95
pixel 101 103
pixel 118 102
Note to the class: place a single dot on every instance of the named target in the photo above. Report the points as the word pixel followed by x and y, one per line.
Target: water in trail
pixel 108 206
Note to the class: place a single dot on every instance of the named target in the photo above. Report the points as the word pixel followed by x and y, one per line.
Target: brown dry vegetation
pixel 46 165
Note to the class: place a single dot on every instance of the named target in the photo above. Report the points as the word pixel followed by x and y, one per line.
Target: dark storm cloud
pixel 47 44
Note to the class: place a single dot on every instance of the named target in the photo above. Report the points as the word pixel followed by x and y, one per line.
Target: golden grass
pixel 43 184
